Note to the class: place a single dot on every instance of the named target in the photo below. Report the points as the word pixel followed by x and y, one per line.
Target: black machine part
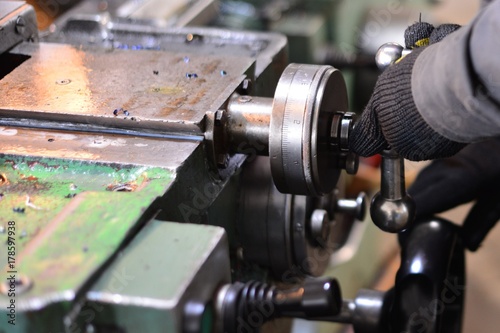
pixel 430 284
pixel 248 305
pixel 292 235
pixel 428 295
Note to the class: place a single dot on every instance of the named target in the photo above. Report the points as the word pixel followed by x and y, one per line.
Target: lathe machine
pixel 185 179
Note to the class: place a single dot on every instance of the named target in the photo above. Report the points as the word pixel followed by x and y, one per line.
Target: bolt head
pixel 351 163
pixel 244 99
pixel 219 114
pixel 320 226
pixel 222 161
pixel 20 25
pixel 246 86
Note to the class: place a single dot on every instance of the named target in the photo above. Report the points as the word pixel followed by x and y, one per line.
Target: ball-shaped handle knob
pixel 388 54
pixel 392 215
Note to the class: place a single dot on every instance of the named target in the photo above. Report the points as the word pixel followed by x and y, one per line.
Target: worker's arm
pixel 456 83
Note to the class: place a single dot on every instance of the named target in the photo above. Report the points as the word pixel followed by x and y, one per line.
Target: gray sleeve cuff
pixel 453 97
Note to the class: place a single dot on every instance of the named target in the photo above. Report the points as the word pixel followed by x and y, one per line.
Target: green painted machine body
pixel 69 222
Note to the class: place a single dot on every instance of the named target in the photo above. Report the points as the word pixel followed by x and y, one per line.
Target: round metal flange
pixel 264 225
pixel 276 229
pixel 306 98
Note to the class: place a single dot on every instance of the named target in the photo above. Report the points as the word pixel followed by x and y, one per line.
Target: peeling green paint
pixel 67 239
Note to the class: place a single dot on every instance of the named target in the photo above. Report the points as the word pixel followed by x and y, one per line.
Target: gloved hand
pixel 473 173
pixel 391 117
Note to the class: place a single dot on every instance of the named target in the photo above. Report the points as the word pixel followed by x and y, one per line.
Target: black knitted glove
pixel 418 34
pixel 391 117
pixel 442 31
pixel 472 174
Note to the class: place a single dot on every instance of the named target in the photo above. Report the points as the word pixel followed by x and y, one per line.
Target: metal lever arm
pixel 392 209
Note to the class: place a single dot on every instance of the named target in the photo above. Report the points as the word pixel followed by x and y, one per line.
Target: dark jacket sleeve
pixel 456 83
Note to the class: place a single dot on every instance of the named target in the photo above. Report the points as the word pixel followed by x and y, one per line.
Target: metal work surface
pixel 265 48
pixel 102 148
pixel 158 90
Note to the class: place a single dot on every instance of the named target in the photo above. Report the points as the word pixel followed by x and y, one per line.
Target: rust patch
pixel 130 104
pixel 166 111
pixel 210 67
pixel 129 186
pixel 122 187
pixel 178 102
pixel 30 187
pixel 174 106
pixel 3 179
pixel 32 164
pixel 12 164
pixel 196 98
pixel 22 88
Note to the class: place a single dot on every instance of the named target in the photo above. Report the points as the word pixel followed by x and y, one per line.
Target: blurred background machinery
pixel 156 158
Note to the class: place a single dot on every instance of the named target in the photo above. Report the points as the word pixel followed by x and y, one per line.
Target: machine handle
pixel 241 303
pixel 392 209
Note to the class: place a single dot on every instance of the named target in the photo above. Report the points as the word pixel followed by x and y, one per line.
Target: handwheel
pixel 430 285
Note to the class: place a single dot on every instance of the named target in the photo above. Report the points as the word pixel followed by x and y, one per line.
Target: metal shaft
pixel 317 298
pixel 392 179
pixel 248 124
